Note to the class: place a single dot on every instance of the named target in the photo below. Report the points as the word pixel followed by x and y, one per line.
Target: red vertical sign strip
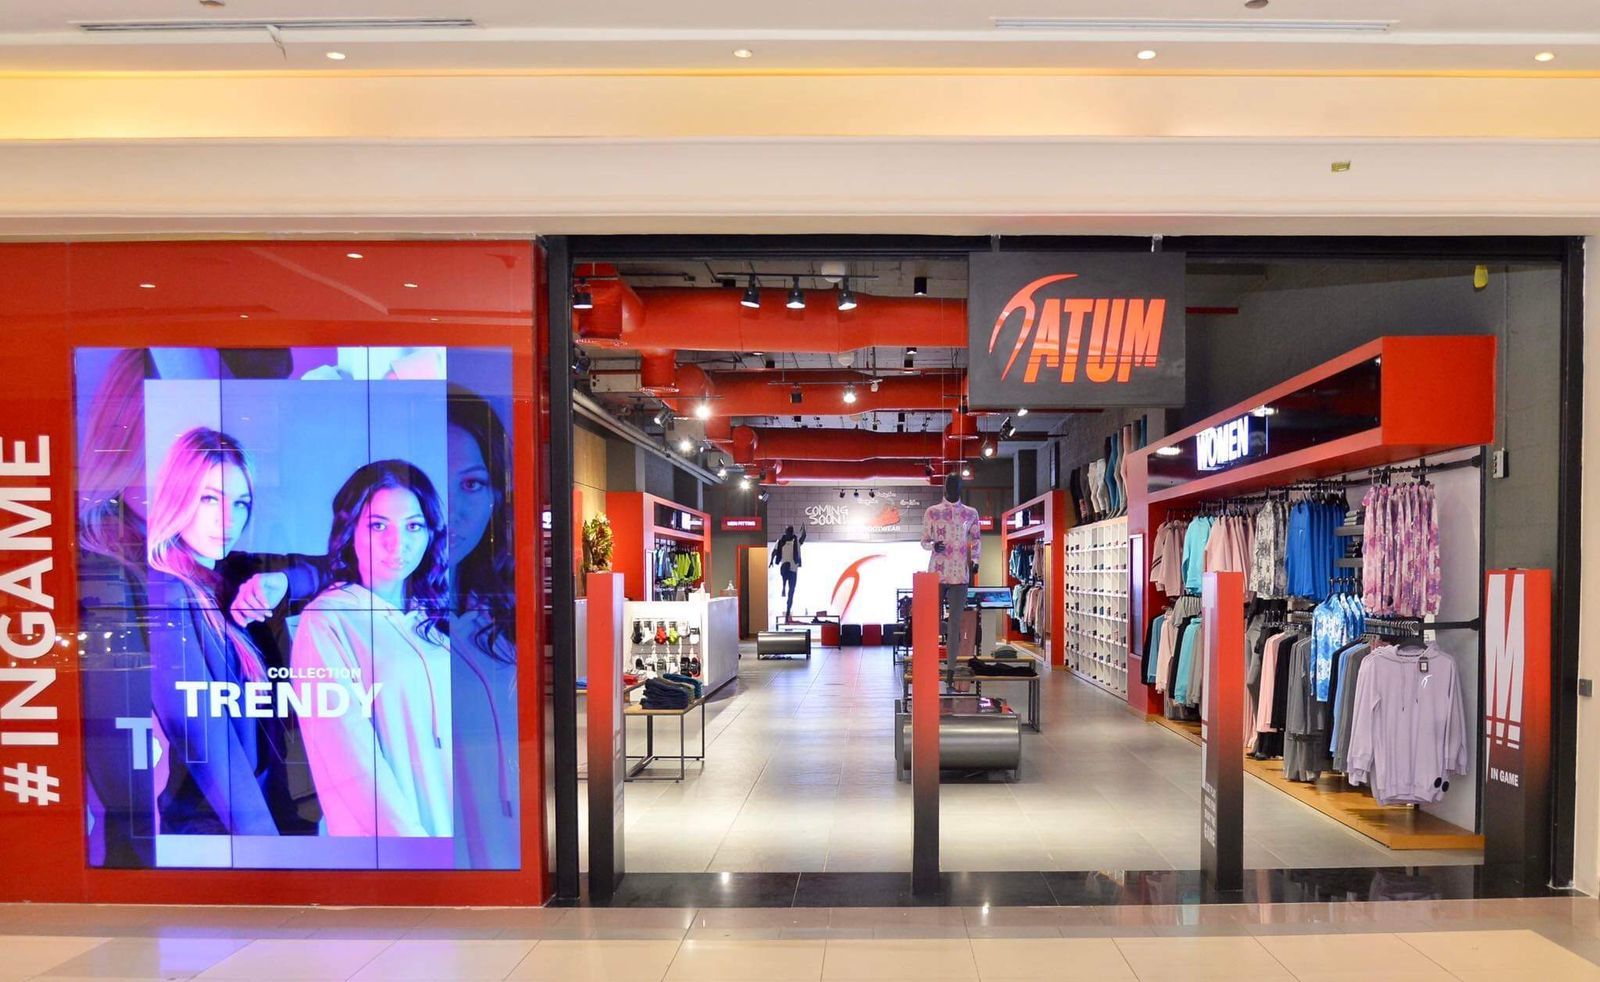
pixel 607 761
pixel 1222 732
pixel 41 783
pixel 1516 720
pixel 925 732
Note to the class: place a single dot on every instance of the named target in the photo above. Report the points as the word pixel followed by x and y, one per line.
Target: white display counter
pixel 714 619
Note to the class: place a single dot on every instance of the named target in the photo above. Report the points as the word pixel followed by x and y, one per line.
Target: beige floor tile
pixel 721 960
pixel 162 958
pixel 421 961
pixel 896 960
pixel 597 961
pixel 1065 958
pixel 34 955
pixel 1352 952
pixel 1505 951
pixel 1201 958
pixel 1434 974
pixel 296 960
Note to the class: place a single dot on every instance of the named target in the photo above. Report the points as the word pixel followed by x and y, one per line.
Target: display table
pixel 965 674
pixel 683 756
pixel 714 619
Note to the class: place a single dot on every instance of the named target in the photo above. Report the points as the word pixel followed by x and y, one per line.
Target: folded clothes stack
pixel 693 683
pixel 661 694
pixel 983 666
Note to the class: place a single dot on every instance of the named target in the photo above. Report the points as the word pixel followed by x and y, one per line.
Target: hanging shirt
pixel 1407 727
pixel 958 527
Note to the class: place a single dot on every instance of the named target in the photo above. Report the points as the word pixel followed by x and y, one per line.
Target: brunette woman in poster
pixel 219 764
pixel 381 627
pixel 482 635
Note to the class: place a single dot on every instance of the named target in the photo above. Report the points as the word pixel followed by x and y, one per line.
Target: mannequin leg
pixel 955 597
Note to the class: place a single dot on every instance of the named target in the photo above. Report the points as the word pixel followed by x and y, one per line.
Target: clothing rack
pixel 1422 468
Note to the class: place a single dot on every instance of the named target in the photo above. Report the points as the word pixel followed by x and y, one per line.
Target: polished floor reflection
pixel 1441 941
pixel 799 777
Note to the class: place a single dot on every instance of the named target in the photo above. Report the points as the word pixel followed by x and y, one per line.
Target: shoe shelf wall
pixel 1095 615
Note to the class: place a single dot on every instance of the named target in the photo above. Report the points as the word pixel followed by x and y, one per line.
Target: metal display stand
pixel 636 771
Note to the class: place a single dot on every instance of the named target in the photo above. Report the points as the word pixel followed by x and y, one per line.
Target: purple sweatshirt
pixel 1407 729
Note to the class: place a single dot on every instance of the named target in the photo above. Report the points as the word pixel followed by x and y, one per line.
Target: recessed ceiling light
pixel 409 286
pixel 1146 54
pixel 743 53
pixel 353 255
pixel 244 317
pixel 1339 166
pixel 1169 451
pixel 1255 4
pixel 336 56
pixel 147 286
pixel 1545 56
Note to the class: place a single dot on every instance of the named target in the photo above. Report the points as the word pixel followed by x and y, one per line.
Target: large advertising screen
pixel 297 607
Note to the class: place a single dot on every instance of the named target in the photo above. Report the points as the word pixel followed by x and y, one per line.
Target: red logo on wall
pixel 1075 330
pixel 1109 336
pixel 851 578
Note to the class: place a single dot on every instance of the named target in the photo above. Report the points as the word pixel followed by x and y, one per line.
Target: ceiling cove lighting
pixel 797 298
pixel 1169 451
pixel 1185 25
pixel 847 296
pixel 702 410
pixel 850 395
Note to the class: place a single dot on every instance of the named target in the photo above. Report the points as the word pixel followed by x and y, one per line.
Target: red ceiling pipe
pixel 658 374
pixel 785 471
pixel 821 392
pixel 617 310
pixel 690 319
pixel 797 444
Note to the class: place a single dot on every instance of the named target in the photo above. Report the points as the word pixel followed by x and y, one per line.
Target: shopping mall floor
pixel 799 777
pixel 1529 940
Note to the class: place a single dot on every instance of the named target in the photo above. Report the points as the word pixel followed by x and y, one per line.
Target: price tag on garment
pixel 1422 664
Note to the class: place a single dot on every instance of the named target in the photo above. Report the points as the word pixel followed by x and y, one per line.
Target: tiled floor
pixel 1433 941
pixel 799 777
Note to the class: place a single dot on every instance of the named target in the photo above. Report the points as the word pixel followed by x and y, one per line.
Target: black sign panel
pixel 1066 330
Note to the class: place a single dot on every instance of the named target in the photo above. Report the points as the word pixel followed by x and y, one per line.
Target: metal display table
pixel 1033 721
pixel 636 771
pixel 975 734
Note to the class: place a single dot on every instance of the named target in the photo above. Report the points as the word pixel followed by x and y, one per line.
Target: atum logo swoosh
pixel 851 577
pixel 1122 333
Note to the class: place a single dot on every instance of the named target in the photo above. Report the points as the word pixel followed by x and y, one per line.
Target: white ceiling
pixel 700 35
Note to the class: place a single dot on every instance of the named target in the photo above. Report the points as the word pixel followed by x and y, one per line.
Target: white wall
pixel 1586 863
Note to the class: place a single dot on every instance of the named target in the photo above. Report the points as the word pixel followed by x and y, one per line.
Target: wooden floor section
pixel 1393 826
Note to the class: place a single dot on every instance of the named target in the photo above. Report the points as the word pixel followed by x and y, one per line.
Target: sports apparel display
pixel 1400 550
pixel 957 527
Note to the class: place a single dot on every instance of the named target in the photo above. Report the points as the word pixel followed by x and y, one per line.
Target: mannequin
pixel 952 532
pixel 786 556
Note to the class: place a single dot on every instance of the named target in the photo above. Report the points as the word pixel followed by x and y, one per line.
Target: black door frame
pixel 564 253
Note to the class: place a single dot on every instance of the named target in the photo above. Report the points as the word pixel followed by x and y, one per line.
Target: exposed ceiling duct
pixel 821 392
pixel 666 319
pixel 876 469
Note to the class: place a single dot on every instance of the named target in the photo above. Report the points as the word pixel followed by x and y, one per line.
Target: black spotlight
pixel 752 296
pixel 847 296
pixel 769 363
pixel 582 299
pixel 919 286
pixel 797 297
pixel 872 494
pixel 858 492
pixel 795 395
pixel 841 492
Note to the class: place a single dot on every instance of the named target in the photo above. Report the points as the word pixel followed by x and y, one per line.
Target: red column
pixel 607 764
pixel 925 732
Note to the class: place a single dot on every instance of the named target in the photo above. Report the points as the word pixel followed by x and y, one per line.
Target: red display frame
pixel 1053 528
pixel 1437 394
pixel 57 297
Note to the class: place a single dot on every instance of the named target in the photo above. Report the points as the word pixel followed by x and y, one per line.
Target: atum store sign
pixel 1067 330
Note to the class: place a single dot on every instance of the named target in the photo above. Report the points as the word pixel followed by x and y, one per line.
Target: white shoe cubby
pixel 1096 604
